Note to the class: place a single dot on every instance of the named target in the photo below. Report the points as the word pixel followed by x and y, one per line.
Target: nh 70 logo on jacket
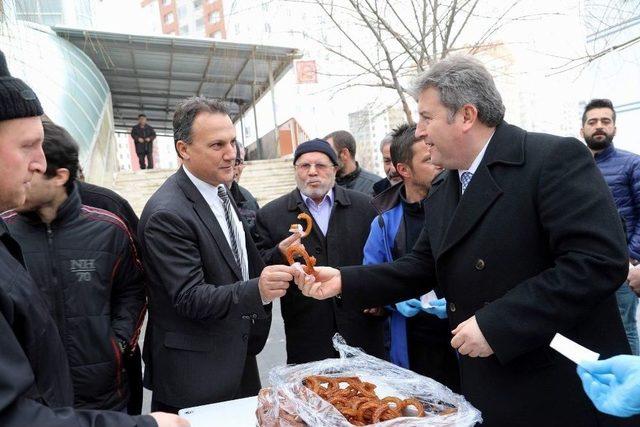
pixel 83 268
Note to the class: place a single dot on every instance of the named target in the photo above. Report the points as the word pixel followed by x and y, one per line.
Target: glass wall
pixel 77 13
pixel 73 92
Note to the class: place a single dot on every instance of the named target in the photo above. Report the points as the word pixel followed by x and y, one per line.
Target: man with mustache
pixel 341 219
pixel 391 174
pixel 621 171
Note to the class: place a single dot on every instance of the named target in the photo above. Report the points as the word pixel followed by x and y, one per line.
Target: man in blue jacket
pixel 419 336
pixel 621 171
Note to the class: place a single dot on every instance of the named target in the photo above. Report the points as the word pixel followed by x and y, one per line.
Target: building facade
pixel 193 18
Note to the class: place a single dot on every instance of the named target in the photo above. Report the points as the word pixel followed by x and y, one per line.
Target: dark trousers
pixel 133 366
pixel 145 149
pixel 430 351
pixel 249 386
pixel 157 406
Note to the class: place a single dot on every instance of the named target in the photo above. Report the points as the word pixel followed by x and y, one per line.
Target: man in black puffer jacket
pixel 84 262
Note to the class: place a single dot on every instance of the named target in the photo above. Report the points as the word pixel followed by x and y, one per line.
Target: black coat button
pixel 318 251
pixel 245 337
pixel 479 264
pixel 452 307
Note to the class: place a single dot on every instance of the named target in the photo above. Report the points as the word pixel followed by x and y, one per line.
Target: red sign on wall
pixel 306 71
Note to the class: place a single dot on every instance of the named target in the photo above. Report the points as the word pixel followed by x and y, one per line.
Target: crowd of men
pixel 517 234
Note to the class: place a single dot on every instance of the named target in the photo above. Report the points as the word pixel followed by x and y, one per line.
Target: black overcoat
pixel 533 247
pixel 309 324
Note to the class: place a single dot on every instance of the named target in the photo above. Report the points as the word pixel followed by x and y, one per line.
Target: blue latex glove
pixel 409 308
pixel 439 308
pixel 613 384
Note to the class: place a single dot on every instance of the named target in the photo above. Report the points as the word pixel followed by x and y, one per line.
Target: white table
pixel 232 413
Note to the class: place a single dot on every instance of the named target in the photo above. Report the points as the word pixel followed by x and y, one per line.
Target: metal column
pixel 276 131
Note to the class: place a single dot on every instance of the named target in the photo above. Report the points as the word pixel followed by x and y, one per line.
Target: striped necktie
pixel 233 231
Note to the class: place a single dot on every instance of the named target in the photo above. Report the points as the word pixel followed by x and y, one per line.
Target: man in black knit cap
pixel 35 385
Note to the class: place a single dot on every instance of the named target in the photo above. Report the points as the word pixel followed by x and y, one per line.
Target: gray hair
pixel 388 138
pixel 460 80
pixel 185 115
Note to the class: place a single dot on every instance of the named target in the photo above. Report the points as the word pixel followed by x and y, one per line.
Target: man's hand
pixel 140 140
pixel 147 139
pixel 164 419
pixel 634 279
pixel 294 239
pixel 376 311
pixel 274 281
pixel 469 341
pixel 326 284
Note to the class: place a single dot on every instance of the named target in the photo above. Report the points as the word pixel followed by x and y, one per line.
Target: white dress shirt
pixel 476 161
pixel 210 194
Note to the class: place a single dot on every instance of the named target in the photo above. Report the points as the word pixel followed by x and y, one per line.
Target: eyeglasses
pixel 239 162
pixel 320 167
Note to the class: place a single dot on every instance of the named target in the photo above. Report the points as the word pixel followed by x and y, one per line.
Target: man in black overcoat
pixel 523 237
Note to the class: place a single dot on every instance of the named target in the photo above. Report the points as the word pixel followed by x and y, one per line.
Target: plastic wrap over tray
pixel 289 403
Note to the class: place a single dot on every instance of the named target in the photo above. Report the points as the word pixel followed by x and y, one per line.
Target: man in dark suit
pixel 523 237
pixel 207 318
pixel 143 136
pixel 341 221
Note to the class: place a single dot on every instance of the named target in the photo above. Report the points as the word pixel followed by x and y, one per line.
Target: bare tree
pixel 387 41
pixel 612 26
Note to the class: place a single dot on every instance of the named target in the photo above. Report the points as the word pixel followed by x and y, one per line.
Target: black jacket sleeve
pixel 411 275
pixel 135 133
pixel 128 296
pixel 152 134
pixel 16 379
pixel 172 248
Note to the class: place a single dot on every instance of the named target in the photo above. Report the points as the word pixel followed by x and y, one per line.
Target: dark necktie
pixel 233 231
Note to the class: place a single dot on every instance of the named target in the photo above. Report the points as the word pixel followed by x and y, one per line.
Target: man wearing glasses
pixel 246 203
pixel 341 220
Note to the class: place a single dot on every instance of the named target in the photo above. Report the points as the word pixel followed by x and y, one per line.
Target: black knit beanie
pixel 17 100
pixel 319 145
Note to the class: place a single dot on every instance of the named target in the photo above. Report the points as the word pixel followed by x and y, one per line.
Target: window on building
pixel 267 28
pixel 200 25
pixel 214 17
pixel 217 35
pixel 182 12
pixel 167 2
pixel 184 30
pixel 169 18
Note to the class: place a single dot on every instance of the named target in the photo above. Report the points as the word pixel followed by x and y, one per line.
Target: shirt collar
pixel 327 197
pixel 208 191
pixel 477 160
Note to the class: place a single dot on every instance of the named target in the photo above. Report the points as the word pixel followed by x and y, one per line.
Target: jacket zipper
pixel 58 294
pixel 118 354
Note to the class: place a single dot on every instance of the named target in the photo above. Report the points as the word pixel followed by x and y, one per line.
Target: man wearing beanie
pixel 341 220
pixel 35 384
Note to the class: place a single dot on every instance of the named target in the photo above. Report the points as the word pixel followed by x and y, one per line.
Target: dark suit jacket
pixel 533 247
pixel 205 323
pixel 309 324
